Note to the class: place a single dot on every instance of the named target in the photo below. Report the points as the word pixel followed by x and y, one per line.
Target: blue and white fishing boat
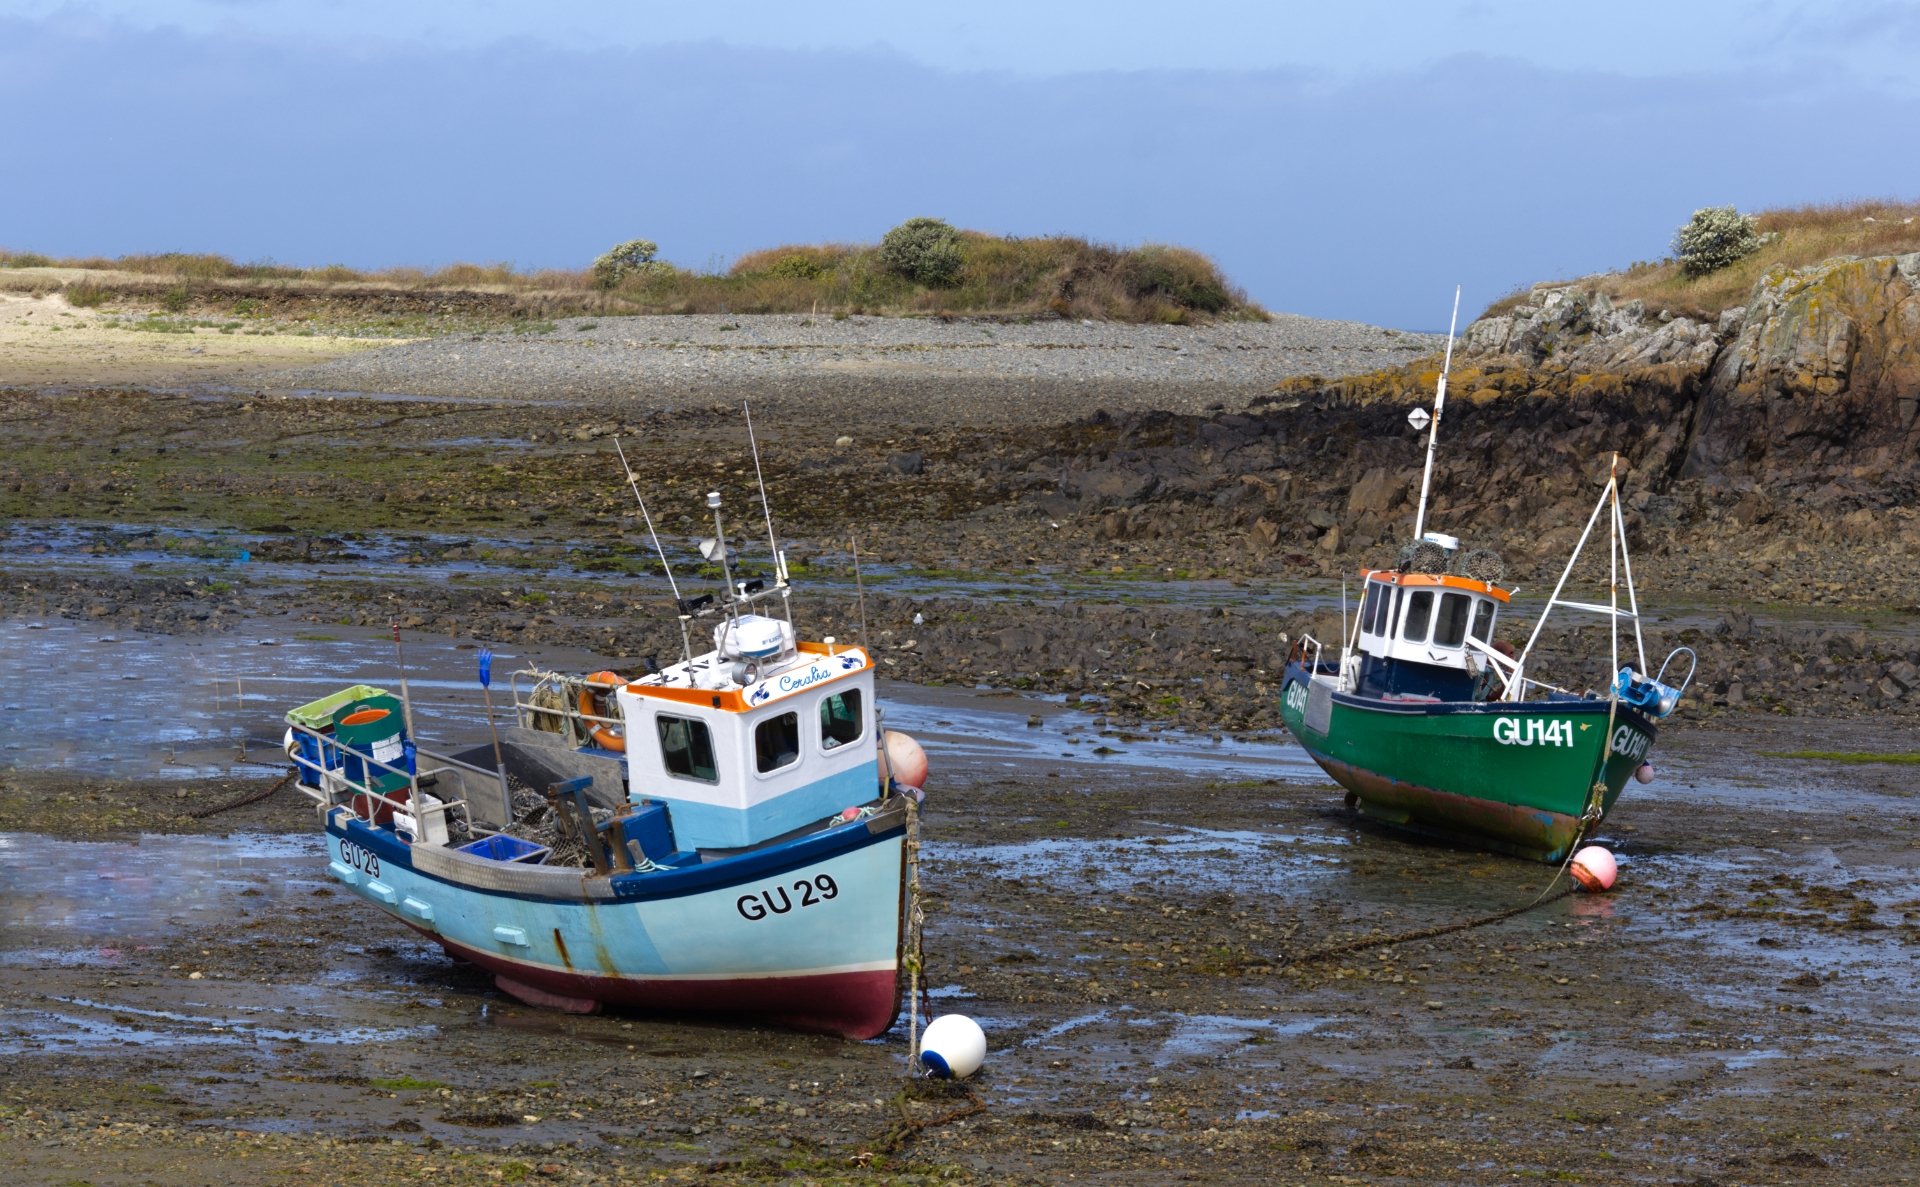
pixel 737 822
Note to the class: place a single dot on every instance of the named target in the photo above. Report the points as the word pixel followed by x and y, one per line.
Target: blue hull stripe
pixel 714 875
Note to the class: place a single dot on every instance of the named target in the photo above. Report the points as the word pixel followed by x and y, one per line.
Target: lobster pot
pixel 374 728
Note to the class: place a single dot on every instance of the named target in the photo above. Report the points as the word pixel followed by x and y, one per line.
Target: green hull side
pixel 1509 777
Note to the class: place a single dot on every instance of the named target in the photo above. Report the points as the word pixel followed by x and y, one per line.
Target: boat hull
pixel 1514 778
pixel 805 934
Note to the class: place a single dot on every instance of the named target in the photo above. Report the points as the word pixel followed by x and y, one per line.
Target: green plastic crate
pixel 318 715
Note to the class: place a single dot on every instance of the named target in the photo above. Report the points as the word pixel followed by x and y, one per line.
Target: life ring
pixel 607 737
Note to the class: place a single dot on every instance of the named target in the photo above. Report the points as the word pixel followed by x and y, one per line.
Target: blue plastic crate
pixel 501 847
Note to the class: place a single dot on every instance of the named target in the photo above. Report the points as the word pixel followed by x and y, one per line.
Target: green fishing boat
pixel 1434 726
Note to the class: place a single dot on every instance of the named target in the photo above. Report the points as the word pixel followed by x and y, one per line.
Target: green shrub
pixel 635 255
pixel 794 262
pixel 799 267
pixel 176 299
pixel 1713 238
pixel 24 259
pixel 82 295
pixel 924 250
pixel 1184 278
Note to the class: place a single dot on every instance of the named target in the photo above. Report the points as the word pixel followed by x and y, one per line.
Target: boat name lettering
pixel 1296 697
pixel 360 859
pixel 1532 731
pixel 1631 743
pixel 807 892
pixel 813 675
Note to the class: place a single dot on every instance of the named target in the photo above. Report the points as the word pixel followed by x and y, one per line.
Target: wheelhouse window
pixel 1450 630
pixel 1419 613
pixel 776 742
pixel 686 748
pixel 840 720
pixel 1483 620
pixel 1373 613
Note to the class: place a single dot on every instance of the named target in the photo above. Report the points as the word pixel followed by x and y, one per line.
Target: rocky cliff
pixel 1771 457
pixel 1820 359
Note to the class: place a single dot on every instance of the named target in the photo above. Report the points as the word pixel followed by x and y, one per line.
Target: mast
pixel 1433 433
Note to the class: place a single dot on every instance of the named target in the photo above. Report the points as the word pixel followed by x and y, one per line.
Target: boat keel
pixel 854 1005
pixel 545 1000
pixel 1532 833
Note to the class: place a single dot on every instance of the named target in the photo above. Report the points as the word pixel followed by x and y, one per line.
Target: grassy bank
pixel 996 276
pixel 1792 238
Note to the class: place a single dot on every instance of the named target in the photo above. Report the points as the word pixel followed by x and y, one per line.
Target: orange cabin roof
pixel 1429 580
pixel 732 700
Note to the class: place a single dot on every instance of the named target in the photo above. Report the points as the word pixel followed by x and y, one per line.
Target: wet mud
pixel 1179 941
pixel 1146 930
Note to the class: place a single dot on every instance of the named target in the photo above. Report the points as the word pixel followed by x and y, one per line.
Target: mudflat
pixel 1184 950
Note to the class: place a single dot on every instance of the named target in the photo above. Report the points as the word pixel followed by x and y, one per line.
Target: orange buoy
pixel 598 704
pixel 906 762
pixel 1594 868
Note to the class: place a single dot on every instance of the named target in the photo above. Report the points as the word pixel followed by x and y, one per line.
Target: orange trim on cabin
pixel 706 698
pixel 1449 580
pixel 838 649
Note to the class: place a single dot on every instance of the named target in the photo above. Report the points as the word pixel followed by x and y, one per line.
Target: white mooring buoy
pixel 953 1046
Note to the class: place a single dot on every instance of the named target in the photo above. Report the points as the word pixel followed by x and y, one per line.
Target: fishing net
pixel 1483 564
pixel 535 820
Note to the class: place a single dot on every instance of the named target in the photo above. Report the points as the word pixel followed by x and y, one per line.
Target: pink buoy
pixel 1594 868
pixel 1644 772
pixel 906 763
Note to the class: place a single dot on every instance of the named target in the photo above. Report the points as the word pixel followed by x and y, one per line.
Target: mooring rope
pixel 913 956
pixel 907 1128
pixel 251 797
pixel 1425 933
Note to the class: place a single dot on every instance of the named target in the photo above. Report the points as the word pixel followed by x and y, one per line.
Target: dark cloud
pixel 1365 199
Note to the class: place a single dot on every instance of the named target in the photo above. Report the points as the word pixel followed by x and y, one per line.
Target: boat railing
pixel 1309 650
pixel 550 702
pixel 440 789
pixel 1524 687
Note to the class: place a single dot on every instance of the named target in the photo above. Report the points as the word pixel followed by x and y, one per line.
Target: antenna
pixel 861 588
pixel 1343 626
pixel 779 562
pixel 658 551
pixel 716 549
pixel 686 640
pixel 779 558
pixel 1433 433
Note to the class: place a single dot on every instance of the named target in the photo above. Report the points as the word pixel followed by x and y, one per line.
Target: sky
pixel 1355 160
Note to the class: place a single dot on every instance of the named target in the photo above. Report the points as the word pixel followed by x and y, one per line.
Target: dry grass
pixel 1000 276
pixel 1796 237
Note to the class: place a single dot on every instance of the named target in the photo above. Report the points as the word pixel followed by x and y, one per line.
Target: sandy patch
pixel 45 341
